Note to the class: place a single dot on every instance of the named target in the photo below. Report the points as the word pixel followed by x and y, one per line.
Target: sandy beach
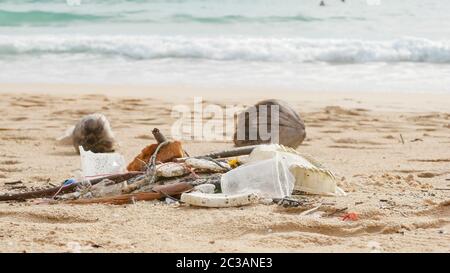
pixel 390 152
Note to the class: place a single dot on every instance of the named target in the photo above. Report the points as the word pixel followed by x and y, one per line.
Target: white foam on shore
pixel 408 64
pixel 291 50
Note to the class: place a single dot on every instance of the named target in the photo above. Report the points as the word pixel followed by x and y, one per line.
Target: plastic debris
pixel 269 178
pixel 218 200
pixel 234 163
pixel 69 181
pixel 170 201
pixel 268 175
pixel 101 164
pixel 351 216
pixel 310 176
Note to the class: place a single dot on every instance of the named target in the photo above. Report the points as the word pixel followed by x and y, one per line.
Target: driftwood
pixel 223 154
pixel 231 152
pixel 194 181
pixel 65 189
pixel 136 185
pixel 14 182
pixel 159 192
pixel 160 138
pixel 307 212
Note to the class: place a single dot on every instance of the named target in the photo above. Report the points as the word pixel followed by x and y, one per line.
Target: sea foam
pixel 295 50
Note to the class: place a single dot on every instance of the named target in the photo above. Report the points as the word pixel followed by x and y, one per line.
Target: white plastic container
pixel 309 175
pixel 268 178
pixel 95 165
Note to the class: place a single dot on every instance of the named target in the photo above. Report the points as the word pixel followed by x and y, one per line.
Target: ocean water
pixel 356 45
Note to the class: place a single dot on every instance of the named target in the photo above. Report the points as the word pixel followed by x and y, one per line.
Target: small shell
pixel 291 126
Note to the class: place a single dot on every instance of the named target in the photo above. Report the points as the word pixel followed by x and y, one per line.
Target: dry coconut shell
pixel 93 132
pixel 291 126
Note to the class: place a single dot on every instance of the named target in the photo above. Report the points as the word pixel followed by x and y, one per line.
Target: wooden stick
pixel 14 182
pixel 174 188
pixel 160 138
pixel 224 154
pixel 233 152
pixel 66 189
pixel 306 212
pixel 136 185
pixel 18 187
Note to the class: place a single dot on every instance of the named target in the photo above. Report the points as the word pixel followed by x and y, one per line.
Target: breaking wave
pixel 295 50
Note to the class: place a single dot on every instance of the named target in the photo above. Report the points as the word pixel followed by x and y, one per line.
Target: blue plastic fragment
pixel 69 181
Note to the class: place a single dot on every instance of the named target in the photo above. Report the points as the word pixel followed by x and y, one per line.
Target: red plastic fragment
pixel 351 216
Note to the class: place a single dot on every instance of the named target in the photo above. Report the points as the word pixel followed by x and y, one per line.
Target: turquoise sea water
pixel 373 45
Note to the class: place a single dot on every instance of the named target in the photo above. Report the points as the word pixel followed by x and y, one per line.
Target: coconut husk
pixel 291 126
pixel 167 153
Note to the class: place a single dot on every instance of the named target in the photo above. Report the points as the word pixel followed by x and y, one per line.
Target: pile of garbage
pixel 255 171
pixel 164 171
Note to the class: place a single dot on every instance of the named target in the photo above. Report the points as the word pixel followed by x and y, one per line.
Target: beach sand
pixel 390 151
